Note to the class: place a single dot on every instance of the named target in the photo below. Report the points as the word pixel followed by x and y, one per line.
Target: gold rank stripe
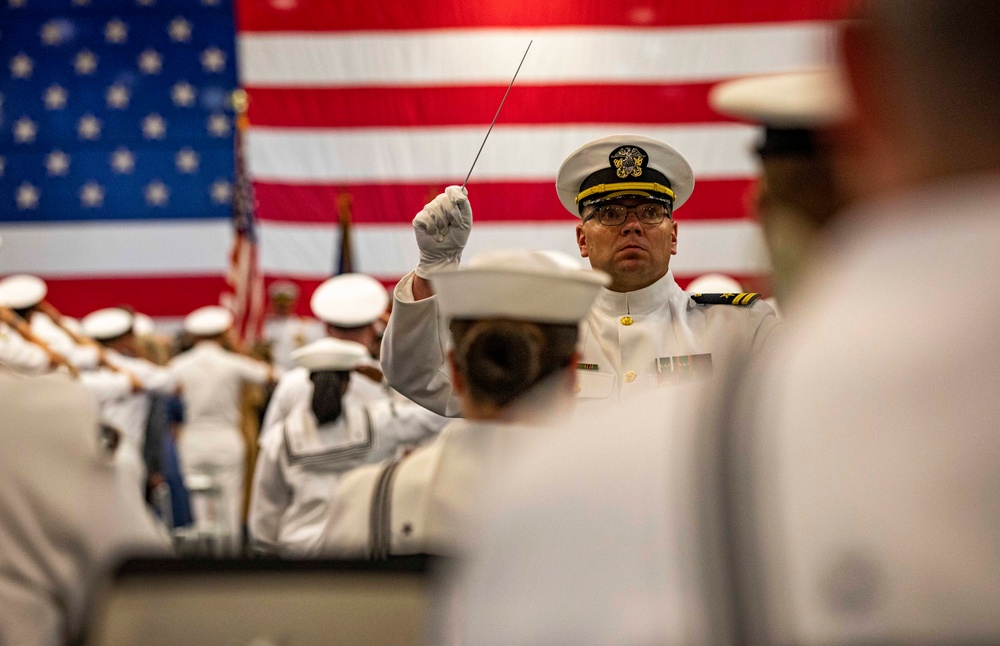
pixel 626 186
pixel 744 298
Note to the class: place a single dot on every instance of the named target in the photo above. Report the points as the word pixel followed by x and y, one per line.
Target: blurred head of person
pixel 351 306
pixel 800 191
pixel 283 296
pixel 212 323
pixel 113 328
pixel 924 77
pixel 514 320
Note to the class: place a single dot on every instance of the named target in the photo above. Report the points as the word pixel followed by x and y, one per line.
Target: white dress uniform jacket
pixel 631 343
pixel 875 448
pixel 19 355
pixel 66 514
pixel 301 463
pixel 211 442
pixel 424 503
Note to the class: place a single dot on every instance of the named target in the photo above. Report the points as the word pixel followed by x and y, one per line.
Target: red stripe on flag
pixel 470 105
pixel 491 202
pixel 152 295
pixel 352 15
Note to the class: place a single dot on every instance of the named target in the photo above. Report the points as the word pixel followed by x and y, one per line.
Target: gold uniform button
pixel 577 389
pixel 629 376
pixel 627 320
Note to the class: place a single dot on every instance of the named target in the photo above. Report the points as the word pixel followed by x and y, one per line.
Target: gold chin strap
pixel 626 186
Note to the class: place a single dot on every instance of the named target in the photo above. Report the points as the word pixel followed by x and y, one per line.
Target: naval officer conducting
pixel 643 331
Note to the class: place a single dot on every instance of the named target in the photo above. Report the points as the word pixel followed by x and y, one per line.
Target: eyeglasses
pixel 613 215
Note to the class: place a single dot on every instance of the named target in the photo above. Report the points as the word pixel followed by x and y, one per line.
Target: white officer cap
pixel 108 323
pixel 811 99
pixel 349 300
pixel 208 321
pixel 790 106
pixel 622 166
pixel 330 354
pixel 540 286
pixel 714 284
pixel 22 290
pixel 142 325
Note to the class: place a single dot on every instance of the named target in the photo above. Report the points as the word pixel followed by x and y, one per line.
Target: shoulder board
pixel 745 298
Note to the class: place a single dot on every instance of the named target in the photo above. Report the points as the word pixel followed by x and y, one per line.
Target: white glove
pixel 442 228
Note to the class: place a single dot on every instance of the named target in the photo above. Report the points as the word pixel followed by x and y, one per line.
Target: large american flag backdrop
pixel 116 131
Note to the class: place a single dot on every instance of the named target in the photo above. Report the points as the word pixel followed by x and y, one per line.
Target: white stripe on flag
pixel 562 55
pixel 309 250
pixel 443 155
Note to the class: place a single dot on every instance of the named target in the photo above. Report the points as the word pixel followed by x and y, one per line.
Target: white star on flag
pixel 157 193
pixel 92 195
pixel 123 161
pixel 218 125
pixel 27 196
pixel 81 3
pixel 182 94
pixel 116 31
pixel 221 191
pixel 210 3
pixel 187 160
pixel 21 66
pixel 85 62
pixel 117 96
pixel 55 97
pixel 89 127
pixel 3 165
pixel 57 163
pixel 154 127
pixel 150 62
pixel 52 33
pixel 25 130
pixel 15 4
pixel 145 3
pixel 179 30
pixel 213 59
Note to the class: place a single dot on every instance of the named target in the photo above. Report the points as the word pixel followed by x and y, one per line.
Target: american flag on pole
pixel 386 102
pixel 245 296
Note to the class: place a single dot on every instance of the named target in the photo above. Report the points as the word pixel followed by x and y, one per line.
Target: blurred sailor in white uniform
pixel 25 296
pixel 67 515
pixel 113 328
pixel 284 330
pixel 211 443
pixel 304 457
pixel 644 331
pixel 350 305
pixel 515 321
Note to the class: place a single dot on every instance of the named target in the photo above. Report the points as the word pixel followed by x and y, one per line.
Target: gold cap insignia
pixel 628 161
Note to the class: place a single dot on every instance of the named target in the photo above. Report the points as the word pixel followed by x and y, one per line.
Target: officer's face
pixel 636 255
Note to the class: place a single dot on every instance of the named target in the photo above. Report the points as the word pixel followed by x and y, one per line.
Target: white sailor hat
pixel 142 325
pixel 789 105
pixel 349 300
pixel 540 286
pixel 283 288
pixel 22 290
pixel 330 354
pixel 622 166
pixel 714 284
pixel 108 323
pixel 208 321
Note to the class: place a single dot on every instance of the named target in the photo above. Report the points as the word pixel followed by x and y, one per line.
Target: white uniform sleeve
pixel 106 386
pixel 21 355
pixel 414 351
pixel 154 378
pixel 269 496
pixel 346 530
pixel 413 423
pixel 251 370
pixel 84 357
pixel 766 328
pixel 291 389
